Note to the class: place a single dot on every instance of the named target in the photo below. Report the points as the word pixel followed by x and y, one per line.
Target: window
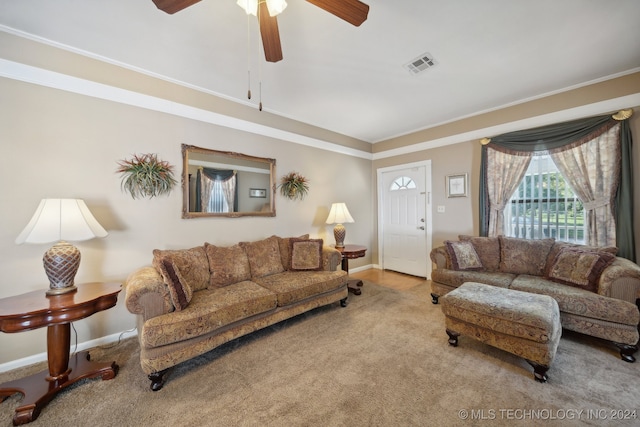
pixel 402 183
pixel 544 205
pixel 218 201
pixel 594 157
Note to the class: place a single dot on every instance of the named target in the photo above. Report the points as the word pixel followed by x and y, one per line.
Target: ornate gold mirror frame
pixel 248 180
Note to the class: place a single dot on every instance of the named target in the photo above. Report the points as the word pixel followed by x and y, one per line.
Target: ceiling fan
pixel 353 11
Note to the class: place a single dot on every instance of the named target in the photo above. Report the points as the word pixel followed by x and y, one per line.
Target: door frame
pixel 427 209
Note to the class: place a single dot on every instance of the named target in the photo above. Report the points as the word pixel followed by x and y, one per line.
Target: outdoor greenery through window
pixel 544 205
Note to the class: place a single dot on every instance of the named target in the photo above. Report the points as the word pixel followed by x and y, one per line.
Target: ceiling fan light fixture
pixel 251 6
pixel 276 6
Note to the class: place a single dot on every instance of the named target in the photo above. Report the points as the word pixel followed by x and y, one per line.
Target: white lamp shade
pixel 339 214
pixel 61 219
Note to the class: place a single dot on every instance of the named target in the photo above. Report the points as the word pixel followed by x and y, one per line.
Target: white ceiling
pixel 351 80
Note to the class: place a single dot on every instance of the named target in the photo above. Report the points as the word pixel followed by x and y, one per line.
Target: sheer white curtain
pixel 206 191
pixel 504 173
pixel 592 168
pixel 229 190
pixel 217 201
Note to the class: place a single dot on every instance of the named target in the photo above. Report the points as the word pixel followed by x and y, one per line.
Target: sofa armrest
pixel 440 258
pixel 621 280
pixel 331 258
pixel 147 294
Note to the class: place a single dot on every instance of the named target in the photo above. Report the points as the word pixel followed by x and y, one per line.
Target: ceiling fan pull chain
pixel 259 70
pixel 249 84
pixel 248 58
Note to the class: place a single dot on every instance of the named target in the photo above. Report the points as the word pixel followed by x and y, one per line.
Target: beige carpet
pixel 382 361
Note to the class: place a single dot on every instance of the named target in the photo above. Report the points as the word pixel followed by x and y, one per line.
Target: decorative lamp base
pixel 339 233
pixel 60 291
pixel 61 264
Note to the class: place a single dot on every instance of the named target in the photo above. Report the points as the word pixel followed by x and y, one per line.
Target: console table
pixel 35 310
pixel 351 252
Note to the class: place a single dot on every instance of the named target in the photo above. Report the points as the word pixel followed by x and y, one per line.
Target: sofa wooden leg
pixel 157 380
pixel 539 371
pixel 434 298
pixel 627 351
pixel 453 338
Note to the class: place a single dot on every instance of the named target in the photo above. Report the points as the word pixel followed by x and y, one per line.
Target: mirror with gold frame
pixel 226 184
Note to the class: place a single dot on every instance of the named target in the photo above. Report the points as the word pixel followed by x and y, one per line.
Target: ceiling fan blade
pixel 353 11
pixel 270 34
pixel 173 6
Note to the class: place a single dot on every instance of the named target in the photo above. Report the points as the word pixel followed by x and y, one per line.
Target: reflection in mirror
pixel 225 184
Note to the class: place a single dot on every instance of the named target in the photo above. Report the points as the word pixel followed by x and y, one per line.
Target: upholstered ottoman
pixel 524 324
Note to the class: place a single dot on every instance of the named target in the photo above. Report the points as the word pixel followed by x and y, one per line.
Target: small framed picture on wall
pixel 457 185
pixel 260 193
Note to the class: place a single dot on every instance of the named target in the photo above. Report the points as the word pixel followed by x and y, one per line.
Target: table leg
pixel 353 285
pixel 58 343
pixel 38 389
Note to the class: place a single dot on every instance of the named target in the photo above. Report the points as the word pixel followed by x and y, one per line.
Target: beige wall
pixel 59 144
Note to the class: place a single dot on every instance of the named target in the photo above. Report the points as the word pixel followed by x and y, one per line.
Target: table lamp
pixel 58 220
pixel 338 215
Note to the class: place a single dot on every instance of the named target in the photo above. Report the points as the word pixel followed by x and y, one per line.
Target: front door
pixel 405 219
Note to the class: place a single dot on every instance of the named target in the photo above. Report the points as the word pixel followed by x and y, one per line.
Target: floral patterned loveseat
pixel 598 293
pixel 193 300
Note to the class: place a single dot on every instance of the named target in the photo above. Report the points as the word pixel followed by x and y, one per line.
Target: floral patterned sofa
pixel 598 293
pixel 193 300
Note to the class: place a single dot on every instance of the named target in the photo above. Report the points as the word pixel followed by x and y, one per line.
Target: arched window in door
pixel 402 183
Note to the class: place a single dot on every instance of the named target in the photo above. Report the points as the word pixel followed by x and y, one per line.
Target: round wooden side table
pixel 35 310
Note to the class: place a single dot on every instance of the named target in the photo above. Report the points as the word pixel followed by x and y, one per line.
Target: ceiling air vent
pixel 420 64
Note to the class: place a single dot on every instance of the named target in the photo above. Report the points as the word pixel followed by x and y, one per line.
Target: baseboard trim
pixel 362 268
pixel 42 357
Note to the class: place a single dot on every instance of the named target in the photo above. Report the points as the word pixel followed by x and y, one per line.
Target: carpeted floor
pixel 382 361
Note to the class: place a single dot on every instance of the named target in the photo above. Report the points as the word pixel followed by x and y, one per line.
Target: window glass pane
pixel 402 183
pixel 218 202
pixel 544 205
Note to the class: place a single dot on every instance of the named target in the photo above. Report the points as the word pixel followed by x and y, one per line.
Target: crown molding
pixel 39 76
pixel 594 109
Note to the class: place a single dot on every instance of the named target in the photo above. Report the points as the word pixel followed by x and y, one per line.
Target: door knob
pixel 421 228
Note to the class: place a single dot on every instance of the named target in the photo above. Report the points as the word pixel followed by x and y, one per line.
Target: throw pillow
pixel 524 256
pixel 192 263
pixel 228 265
pixel 264 256
pixel 487 248
pixel 306 254
pixel 463 255
pixel 578 268
pixel 179 289
pixel 285 252
pixel 558 246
